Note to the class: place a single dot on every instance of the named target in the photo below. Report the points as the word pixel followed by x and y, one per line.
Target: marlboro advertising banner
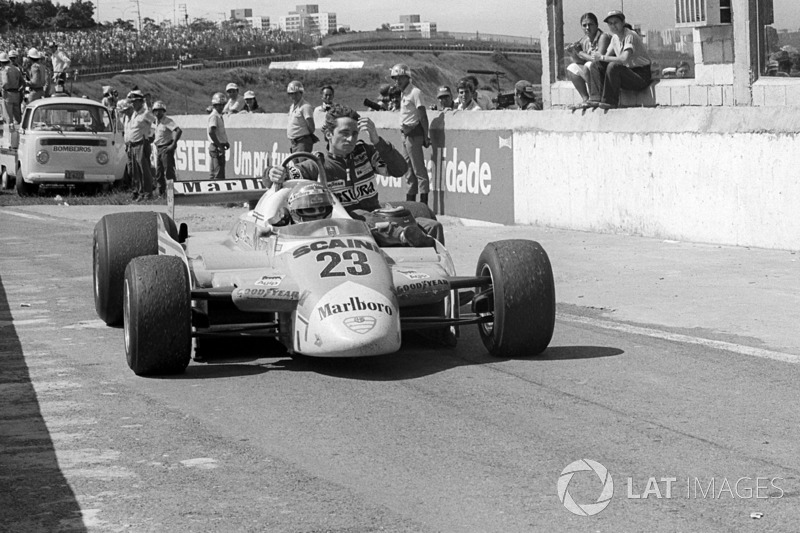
pixel 471 172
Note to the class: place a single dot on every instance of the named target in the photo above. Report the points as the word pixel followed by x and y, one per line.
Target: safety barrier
pixel 716 175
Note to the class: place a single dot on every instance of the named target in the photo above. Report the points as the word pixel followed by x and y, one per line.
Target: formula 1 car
pixel 322 288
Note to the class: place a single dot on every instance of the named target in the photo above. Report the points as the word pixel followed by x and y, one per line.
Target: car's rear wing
pixel 213 192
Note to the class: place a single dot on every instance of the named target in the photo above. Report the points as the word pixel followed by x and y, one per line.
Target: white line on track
pixel 23 215
pixel 677 337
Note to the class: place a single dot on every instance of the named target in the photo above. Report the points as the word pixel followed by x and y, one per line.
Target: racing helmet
pixel 218 98
pixel 400 69
pixel 310 201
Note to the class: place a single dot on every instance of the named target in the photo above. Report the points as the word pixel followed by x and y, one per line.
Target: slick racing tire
pixel 158 315
pixel 417 209
pixel 522 298
pixel 118 238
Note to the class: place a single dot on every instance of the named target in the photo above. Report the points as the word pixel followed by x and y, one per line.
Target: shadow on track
pixel 34 494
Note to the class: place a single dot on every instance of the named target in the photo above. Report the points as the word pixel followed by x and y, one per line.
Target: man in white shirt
pixel 167 135
pixel 137 144
pixel 60 61
pixel 235 103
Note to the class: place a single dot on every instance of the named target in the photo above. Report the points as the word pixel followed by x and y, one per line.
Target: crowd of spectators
pixel 119 46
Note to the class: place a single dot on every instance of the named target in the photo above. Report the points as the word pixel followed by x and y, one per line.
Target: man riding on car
pixel 312 201
pixel 350 166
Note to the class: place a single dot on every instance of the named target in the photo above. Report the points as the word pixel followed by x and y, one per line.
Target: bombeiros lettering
pixel 354 304
pixel 82 149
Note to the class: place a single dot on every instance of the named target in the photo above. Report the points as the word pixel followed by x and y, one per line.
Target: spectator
pixel 383 96
pixel 484 101
pixel 626 65
pixel 109 98
pixel 251 104
pixel 234 103
pixel 218 137
pixel 594 40
pixel 444 96
pixel 466 96
pixel 37 77
pixel 779 64
pixel 327 99
pixel 59 89
pixel 60 61
pixel 525 96
pixel 167 135
pixel 395 96
pixel 300 128
pixel 11 85
pixel 13 56
pixel 356 190
pixel 414 130
pixel 137 144
pixel 682 70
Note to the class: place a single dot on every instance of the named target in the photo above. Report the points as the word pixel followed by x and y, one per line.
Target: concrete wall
pixel 711 174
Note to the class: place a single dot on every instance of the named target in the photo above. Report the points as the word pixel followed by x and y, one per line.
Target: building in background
pixel 307 19
pixel 409 23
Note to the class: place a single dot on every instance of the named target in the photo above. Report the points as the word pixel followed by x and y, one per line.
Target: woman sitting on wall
pixel 593 40
pixel 626 65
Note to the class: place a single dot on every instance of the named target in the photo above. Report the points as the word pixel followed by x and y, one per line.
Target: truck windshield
pixel 71 117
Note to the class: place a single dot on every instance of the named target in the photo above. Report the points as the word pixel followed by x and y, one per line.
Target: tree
pixel 40 14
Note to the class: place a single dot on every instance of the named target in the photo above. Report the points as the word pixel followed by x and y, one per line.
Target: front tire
pixel 158 316
pixel 25 189
pixel 118 239
pixel 522 299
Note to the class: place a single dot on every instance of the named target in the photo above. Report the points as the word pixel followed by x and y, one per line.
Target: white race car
pixel 322 288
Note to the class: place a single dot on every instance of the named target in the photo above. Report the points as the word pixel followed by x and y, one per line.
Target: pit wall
pixel 715 175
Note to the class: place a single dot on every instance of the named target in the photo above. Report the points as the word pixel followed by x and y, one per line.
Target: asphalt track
pixel 670 360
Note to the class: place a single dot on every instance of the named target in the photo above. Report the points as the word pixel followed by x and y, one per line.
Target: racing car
pixel 323 288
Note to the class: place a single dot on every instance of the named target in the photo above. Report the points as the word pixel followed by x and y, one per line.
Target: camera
pixel 375 106
pixel 504 100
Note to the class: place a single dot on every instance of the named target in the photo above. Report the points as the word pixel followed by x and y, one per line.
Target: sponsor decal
pixel 278 294
pixel 353 304
pixel 206 186
pixel 334 243
pixel 360 324
pixel 413 274
pixel 81 149
pixel 422 286
pixel 270 281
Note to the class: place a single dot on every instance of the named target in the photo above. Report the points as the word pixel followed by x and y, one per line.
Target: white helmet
pixel 310 201
pixel 249 94
pixel 33 53
pixel 218 98
pixel 400 69
pixel 294 87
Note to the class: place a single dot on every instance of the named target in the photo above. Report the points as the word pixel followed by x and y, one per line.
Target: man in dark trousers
pixel 167 135
pixel 137 144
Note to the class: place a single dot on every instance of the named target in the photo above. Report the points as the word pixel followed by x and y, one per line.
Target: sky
pixel 505 17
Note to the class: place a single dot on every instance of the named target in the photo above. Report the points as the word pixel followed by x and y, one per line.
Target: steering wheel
pixel 323 178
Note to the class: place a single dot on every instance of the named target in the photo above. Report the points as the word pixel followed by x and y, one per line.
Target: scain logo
pixel 586 509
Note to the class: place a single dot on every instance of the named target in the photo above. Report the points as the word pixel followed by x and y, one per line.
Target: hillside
pixel 189 91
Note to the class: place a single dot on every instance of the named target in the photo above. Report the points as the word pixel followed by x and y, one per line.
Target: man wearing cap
pixel 109 98
pixel 625 65
pixel 167 135
pixel 234 103
pixel 60 62
pixel 525 97
pixel 466 96
pixel 11 86
pixel 137 144
pixel 414 130
pixel 218 137
pixel 251 104
pixel 445 98
pixel 13 55
pixel 300 129
pixel 36 76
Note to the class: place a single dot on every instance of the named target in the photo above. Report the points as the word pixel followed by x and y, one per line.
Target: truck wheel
pixel 6 181
pixel 118 238
pixel 158 316
pixel 25 189
pixel 417 209
pixel 522 300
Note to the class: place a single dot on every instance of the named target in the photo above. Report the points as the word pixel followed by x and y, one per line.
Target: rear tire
pixel 158 316
pixel 524 298
pixel 118 239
